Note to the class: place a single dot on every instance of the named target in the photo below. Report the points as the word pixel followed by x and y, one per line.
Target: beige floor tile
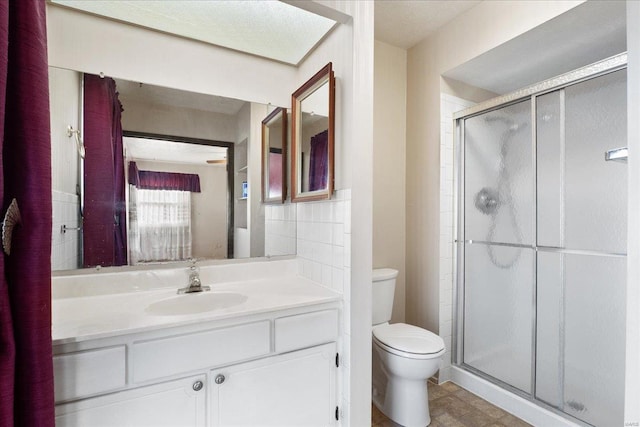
pixel 452 406
pixel 450 387
pixel 475 418
pixel 487 408
pixel 436 391
pixel 448 420
pixel 466 395
pixel 511 421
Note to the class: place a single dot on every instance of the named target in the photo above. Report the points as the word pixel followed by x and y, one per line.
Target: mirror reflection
pixel 183 181
pixel 177 200
pixel 313 137
pixel 274 156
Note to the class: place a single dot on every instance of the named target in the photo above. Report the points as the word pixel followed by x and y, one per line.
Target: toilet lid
pixel 408 338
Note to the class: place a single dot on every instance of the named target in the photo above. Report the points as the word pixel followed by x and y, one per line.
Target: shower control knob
pixel 220 379
pixel 197 386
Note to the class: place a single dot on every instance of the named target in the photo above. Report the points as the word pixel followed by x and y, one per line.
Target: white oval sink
pixel 195 303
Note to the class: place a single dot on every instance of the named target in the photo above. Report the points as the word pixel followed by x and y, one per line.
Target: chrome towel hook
pixel 79 145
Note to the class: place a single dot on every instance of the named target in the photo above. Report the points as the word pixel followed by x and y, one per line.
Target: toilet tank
pixel 383 288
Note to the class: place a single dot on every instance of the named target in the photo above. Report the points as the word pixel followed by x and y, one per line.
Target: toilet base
pixel 404 402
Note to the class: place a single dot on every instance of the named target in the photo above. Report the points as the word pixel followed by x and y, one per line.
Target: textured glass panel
pixel 595 191
pixel 581 335
pixel 550 156
pixel 498 175
pixel 498 298
pixel 594 338
pixel 550 328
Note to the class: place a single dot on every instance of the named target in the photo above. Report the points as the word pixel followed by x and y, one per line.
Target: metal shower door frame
pixel 606 66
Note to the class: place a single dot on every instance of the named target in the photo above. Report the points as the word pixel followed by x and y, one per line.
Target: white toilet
pixel 404 357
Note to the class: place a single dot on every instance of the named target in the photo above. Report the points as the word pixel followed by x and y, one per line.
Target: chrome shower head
pixel 487 201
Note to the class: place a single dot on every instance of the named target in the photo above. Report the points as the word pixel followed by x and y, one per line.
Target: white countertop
pixel 83 318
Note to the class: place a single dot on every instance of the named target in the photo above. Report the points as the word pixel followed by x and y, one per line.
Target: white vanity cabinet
pixel 294 389
pixel 273 369
pixel 175 403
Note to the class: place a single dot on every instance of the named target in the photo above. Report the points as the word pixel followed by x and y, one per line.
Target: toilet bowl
pixel 404 357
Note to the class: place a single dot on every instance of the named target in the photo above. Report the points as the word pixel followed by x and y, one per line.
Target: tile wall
pixel 65 253
pixel 448 106
pixel 280 229
pixel 324 255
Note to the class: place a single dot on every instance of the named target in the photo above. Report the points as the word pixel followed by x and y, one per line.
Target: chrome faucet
pixel 195 284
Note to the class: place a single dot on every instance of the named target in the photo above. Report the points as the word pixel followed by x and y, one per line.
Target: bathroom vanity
pixel 248 352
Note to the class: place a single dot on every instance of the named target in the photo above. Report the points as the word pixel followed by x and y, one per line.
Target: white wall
pixel 389 165
pixel 254 176
pixel 65 95
pixel 350 49
pixel 82 42
pixel 176 121
pixel 249 213
pixel 241 235
pixel 478 30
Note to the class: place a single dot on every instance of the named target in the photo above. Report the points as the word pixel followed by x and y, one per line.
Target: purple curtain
pixel 275 174
pixel 104 223
pixel 319 162
pixel 149 180
pixel 26 368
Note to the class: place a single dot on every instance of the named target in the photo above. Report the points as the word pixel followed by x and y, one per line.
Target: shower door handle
pixel 617 155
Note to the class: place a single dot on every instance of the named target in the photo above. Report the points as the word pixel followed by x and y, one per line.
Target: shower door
pixel 542 247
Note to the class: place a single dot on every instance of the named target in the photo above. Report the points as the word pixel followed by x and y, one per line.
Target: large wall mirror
pixel 274 157
pixel 190 172
pixel 312 144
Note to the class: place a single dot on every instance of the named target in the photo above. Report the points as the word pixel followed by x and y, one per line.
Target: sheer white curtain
pixel 160 225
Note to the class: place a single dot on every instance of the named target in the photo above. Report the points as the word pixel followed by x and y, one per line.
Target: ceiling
pixel 157 95
pixel 173 152
pixel 267 28
pixel 404 23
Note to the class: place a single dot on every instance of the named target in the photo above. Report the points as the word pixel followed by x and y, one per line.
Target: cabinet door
pixel 174 403
pixel 293 389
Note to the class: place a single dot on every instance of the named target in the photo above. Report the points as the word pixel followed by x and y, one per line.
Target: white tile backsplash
pixel 65 247
pixel 323 239
pixel 280 230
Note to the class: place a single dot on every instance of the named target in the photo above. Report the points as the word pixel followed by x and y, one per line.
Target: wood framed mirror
pixel 312 137
pixel 274 157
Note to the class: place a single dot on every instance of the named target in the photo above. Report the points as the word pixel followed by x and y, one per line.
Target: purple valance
pixel 150 180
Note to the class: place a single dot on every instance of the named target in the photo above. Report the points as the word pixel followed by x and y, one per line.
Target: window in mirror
pixel 178 204
pixel 313 110
pixel 274 157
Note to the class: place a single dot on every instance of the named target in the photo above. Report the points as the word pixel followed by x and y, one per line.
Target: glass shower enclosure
pixel 541 242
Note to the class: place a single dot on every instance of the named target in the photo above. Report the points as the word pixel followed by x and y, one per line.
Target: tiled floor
pixel 453 406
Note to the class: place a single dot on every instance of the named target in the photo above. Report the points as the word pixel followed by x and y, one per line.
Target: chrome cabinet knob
pixel 219 379
pixel 197 386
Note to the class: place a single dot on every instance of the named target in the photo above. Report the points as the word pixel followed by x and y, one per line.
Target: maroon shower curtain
pixel 104 223
pixel 26 371
pixel 319 164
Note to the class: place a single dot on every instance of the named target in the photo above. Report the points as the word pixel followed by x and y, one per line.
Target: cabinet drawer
pixel 174 403
pixel 185 353
pixel 89 372
pixel 305 330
